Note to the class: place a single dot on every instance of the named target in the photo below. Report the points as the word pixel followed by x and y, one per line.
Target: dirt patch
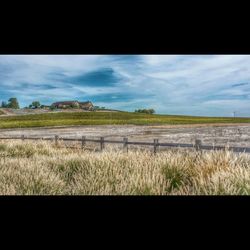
pixel 212 134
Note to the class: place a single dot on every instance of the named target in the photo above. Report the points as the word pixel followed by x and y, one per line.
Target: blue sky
pixel 212 85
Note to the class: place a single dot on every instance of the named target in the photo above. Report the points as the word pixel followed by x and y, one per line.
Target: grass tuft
pixel 28 168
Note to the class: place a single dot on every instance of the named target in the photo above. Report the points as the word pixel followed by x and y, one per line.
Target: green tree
pixel 36 104
pixel 4 104
pixel 151 111
pixel 13 103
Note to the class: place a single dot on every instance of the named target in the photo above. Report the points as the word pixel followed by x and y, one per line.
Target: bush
pixel 145 111
pixel 52 107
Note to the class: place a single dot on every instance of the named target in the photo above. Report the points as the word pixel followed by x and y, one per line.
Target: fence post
pixel 102 143
pixel 83 141
pixel 56 140
pixel 156 141
pixel 125 144
pixel 198 145
pixel 22 137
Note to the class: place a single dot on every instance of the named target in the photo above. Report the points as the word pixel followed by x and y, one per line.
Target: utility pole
pixel 234 114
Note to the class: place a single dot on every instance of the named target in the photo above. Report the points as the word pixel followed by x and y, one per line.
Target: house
pixel 67 104
pixel 86 105
pixel 73 104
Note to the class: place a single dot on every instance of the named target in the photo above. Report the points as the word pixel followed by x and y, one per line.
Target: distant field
pixel 1 112
pixel 105 118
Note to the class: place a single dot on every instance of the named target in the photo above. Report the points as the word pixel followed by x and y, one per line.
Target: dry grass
pixel 40 168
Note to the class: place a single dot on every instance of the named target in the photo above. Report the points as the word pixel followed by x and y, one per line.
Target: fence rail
pixel 155 144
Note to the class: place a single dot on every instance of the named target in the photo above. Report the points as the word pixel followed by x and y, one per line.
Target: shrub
pixel 145 111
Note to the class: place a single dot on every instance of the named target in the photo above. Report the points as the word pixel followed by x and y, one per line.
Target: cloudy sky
pixel 212 85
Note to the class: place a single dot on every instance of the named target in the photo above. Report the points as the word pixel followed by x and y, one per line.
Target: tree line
pixel 14 104
pixel 145 111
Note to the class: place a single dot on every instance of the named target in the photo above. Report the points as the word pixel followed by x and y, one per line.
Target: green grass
pixel 105 118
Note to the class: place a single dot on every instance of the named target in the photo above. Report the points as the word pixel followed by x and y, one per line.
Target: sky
pixel 202 85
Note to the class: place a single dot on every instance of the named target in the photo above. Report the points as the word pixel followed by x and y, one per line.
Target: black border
pixel 109 37
pixel 126 209
pixel 171 212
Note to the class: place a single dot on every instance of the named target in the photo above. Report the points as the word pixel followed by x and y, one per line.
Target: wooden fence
pixel 125 142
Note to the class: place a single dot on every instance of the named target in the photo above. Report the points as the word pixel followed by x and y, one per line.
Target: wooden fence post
pixel 198 145
pixel 102 143
pixel 56 140
pixel 83 141
pixel 22 137
pixel 125 144
pixel 156 141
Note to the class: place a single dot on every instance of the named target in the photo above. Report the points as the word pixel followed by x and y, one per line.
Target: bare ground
pixel 217 134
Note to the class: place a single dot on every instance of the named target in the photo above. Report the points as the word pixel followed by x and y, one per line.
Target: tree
pixel 13 103
pixel 4 104
pixel 36 104
pixel 151 111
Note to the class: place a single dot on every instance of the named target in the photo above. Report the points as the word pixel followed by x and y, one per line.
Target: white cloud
pixel 185 84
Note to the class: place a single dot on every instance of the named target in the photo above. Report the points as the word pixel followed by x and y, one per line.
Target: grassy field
pixel 39 168
pixel 1 112
pixel 105 118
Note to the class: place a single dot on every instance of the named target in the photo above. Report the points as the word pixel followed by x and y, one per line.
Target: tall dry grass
pixel 28 168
